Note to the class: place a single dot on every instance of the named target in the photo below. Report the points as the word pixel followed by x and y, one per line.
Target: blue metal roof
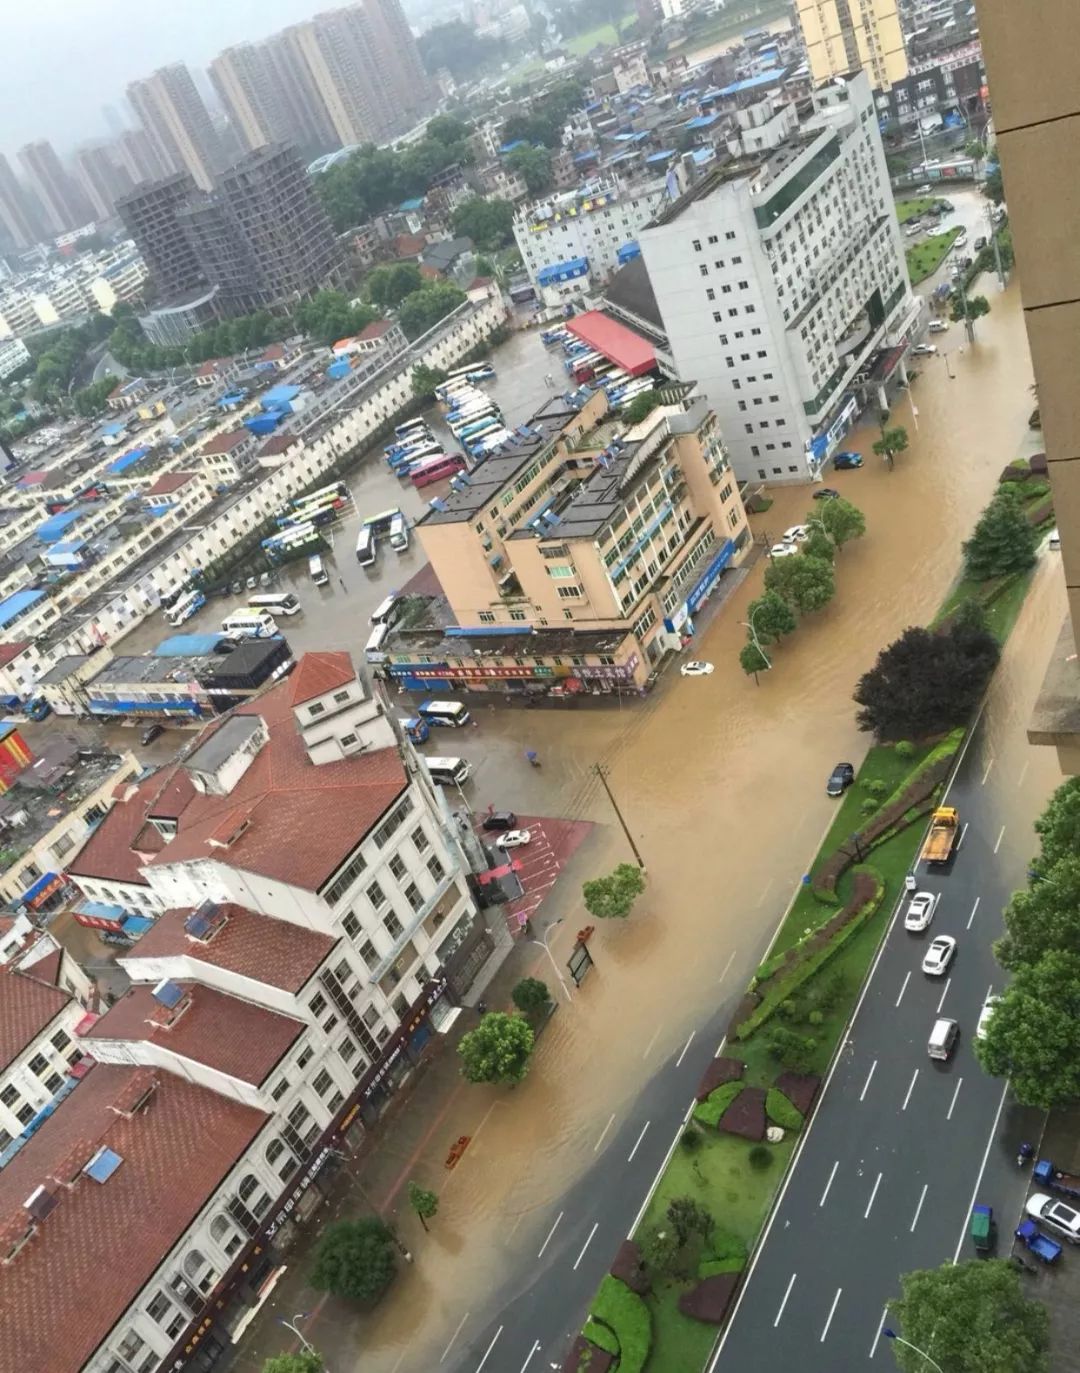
pixel 751 82
pixel 54 528
pixel 586 157
pixel 509 147
pixel 562 271
pixel 414 204
pixel 662 156
pixel 629 251
pixel 126 460
pixel 701 121
pixel 18 603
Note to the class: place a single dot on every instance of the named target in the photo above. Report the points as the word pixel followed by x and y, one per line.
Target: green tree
pixel 641 407
pixel 1002 541
pixel 489 223
pixel 90 400
pixel 805 583
pixel 459 49
pixel 355 1259
pixel 842 520
pixel 818 545
pixel 792 1051
pixel 975 148
pixel 925 682
pixel 306 1362
pixel 531 995
pixel 660 1250
pixel 497 1050
pixel 423 309
pixel 892 441
pixel 977 306
pixel 447 130
pixel 423 1202
pixel 615 894
pixel 752 660
pixel 771 617
pixel 1044 916
pixel 389 285
pixel 688 1217
pixel 1058 827
pixel 534 164
pixel 971 1318
pixel 993 187
pixel 425 379
pixel 1033 1037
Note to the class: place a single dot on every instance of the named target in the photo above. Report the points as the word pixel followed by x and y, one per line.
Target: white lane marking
pixel 664 1163
pixel 982 1169
pixel 960 841
pixel 633 1151
pixel 866 1084
pixel 490 1347
pixel 944 994
pixel 607 1127
pixel 678 1061
pixel 873 1194
pixel 974 908
pixel 915 1218
pixel 727 965
pixel 651 1042
pixel 910 1090
pixel 829 1183
pixel 765 893
pixel 1023 773
pixel 787 1293
pixel 903 989
pixel 832 1312
pixel 986 774
pixel 532 1351
pixel 1000 837
pixel 880 1327
pixel 596 1226
pixel 956 1093
pixel 454 1336
pixel 550 1233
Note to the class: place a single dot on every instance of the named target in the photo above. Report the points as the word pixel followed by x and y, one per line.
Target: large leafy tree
pixel 423 1202
pixel 534 164
pixel 489 223
pixel 1002 540
pixel 805 583
pixel 1058 827
pixel 925 682
pixel 497 1050
pixel 425 379
pixel 423 309
pixel 459 49
pixel 1033 1036
pixel 977 306
pixel 389 285
pixel 1044 916
pixel 892 441
pixel 615 894
pixel 354 1259
pixel 842 520
pixel 308 1361
pixel 771 617
pixel 752 660
pixel 970 1318
pixel 530 995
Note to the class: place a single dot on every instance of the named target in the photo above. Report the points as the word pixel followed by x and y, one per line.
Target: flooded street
pixel 722 784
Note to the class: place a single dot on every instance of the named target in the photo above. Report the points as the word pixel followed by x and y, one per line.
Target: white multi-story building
pixel 592 222
pixel 13 355
pixel 781 276
pixel 315 929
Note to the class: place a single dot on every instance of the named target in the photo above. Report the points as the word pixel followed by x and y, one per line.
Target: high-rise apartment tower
pixel 845 35
pixel 172 112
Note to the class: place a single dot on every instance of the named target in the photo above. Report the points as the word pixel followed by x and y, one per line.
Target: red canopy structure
pixel 617 343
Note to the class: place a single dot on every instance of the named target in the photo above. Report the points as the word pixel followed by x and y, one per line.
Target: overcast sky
pixel 62 60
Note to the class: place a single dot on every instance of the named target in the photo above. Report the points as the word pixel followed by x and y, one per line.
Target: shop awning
pixel 619 344
pixel 43 888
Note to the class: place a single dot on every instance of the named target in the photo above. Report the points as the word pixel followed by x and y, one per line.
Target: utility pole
pixel 602 774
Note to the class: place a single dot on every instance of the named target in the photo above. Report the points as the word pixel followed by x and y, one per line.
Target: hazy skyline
pixel 66 59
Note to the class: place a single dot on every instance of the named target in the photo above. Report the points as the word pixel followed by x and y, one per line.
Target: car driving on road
pixel 840 779
pixel 697 669
pixel 920 911
pixel 1055 1215
pixel 826 493
pixel 939 955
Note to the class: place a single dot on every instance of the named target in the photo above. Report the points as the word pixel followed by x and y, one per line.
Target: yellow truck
pixel 943 836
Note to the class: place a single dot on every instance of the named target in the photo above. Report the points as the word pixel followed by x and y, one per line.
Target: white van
pixel 943 1039
pixel 937 326
pixel 316 570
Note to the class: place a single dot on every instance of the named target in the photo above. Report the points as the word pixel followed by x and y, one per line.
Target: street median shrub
pixel 781 1111
pixel 709 1111
pixel 627 1315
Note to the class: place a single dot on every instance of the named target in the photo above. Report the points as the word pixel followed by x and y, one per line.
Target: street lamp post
pixel 749 624
pixel 309 1348
pixel 551 957
pixel 892 1335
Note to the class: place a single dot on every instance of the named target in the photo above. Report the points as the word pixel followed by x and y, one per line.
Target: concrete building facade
pixel 848 35
pixel 171 111
pixel 781 276
pixel 15 210
pixel 64 204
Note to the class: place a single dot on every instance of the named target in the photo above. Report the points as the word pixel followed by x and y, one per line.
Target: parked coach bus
pixel 446 772
pixel 249 624
pixel 283 604
pixel 435 469
pixel 365 546
pixel 451 713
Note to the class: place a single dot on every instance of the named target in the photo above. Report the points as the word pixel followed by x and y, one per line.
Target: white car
pixel 783 550
pixel 939 955
pixel 913 230
pixel 798 533
pixel 937 326
pixel 920 911
pixel 514 839
pixel 961 239
pixel 1055 1215
pixel 984 1016
pixel 697 669
pixel 923 350
pixel 1054 542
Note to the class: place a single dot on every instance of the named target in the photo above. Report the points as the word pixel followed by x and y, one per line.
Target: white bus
pixel 452 388
pixel 451 713
pixel 284 603
pixel 383 614
pixel 249 624
pixel 410 427
pixel 317 571
pixel 399 533
pixel 373 649
pixel 447 772
pixel 365 546
pixel 465 371
pixel 185 607
pixel 336 490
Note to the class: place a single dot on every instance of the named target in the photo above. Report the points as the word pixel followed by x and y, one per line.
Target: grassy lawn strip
pixel 914 209
pixel 926 257
pixel 585 42
pixel 627 1315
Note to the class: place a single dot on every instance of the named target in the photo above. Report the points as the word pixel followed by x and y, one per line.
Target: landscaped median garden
pixel 927 256
pixel 672 1284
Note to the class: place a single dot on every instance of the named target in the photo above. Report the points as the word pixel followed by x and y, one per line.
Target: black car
pixel 152 732
pixel 826 493
pixel 500 820
pixel 842 777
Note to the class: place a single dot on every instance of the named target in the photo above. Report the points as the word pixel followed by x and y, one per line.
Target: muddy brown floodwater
pixel 722 783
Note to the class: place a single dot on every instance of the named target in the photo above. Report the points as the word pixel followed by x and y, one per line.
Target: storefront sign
pixel 609 672
pixel 709 577
pixel 307 1177
pixel 476 674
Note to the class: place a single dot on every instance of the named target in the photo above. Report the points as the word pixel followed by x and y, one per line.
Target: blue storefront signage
pixel 710 576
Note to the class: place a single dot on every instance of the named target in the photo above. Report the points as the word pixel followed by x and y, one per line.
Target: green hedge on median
pixel 602 1336
pixel 625 1312
pixel 709 1111
pixel 781 1111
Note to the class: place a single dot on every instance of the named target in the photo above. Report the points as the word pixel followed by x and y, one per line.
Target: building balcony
pixel 428 908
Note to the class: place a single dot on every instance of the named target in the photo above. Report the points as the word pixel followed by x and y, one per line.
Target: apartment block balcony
pixel 428 908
